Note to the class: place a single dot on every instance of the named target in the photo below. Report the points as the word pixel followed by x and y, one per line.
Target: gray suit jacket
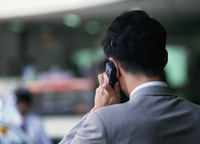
pixel 152 116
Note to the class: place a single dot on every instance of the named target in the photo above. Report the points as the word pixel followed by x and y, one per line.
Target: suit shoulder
pixel 113 111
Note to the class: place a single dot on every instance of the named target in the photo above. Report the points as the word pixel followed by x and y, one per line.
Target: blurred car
pixel 61 103
pixel 62 96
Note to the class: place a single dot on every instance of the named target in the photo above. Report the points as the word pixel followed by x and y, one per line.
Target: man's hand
pixel 105 94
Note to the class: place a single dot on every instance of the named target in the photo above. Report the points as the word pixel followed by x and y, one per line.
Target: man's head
pixel 137 43
pixel 23 100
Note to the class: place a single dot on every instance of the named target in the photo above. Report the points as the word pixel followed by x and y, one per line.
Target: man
pixel 21 117
pixel 135 43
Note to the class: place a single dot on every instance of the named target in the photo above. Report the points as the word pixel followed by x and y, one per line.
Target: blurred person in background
pixel 136 44
pixel 21 117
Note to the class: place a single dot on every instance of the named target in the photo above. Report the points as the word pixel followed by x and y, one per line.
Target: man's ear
pixel 116 65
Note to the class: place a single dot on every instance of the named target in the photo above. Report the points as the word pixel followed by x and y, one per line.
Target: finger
pixel 117 89
pixel 97 89
pixel 106 80
pixel 101 79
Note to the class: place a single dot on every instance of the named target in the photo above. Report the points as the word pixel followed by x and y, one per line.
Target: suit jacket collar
pixel 151 83
pixel 152 91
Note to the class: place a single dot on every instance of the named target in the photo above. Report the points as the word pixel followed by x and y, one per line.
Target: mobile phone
pixel 111 72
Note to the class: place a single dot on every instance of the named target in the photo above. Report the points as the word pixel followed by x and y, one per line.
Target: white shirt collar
pixel 153 83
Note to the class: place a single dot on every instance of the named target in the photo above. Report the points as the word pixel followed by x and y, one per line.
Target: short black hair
pixel 23 95
pixel 137 42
